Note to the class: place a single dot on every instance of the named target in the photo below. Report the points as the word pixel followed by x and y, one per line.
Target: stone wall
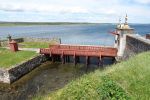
pixel 135 44
pixel 4 43
pixel 17 71
pixel 41 40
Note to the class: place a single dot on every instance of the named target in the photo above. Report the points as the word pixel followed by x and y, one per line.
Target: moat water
pixel 46 79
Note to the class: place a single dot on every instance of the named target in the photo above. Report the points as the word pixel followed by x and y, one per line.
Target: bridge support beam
pixel 62 59
pixel 53 58
pixel 74 58
pixel 100 62
pixel 77 59
pixel 87 63
pixel 67 58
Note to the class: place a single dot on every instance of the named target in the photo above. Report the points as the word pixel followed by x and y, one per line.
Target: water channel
pixel 46 79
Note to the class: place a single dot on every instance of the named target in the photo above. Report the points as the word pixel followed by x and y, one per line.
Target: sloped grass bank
pixel 8 58
pixel 128 80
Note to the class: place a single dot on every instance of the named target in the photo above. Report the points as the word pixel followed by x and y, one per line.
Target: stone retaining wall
pixel 135 44
pixel 17 71
pixel 4 43
pixel 41 40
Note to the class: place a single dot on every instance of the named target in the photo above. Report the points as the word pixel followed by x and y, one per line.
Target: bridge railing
pixel 77 47
pixel 56 49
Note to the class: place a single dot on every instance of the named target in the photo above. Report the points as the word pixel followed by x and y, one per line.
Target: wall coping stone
pixel 139 37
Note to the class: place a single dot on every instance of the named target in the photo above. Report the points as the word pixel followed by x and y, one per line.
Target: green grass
pixel 128 80
pixel 8 58
pixel 35 44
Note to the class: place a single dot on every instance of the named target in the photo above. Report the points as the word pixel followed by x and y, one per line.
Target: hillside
pixel 39 23
pixel 128 80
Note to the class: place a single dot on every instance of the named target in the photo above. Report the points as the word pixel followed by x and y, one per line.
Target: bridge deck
pixel 94 51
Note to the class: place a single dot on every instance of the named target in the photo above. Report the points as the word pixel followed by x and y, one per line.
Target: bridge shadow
pixel 88 62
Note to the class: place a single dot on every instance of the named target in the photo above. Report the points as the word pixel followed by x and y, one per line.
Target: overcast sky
pixel 100 11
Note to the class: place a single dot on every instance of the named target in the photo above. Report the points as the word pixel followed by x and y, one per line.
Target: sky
pixel 97 11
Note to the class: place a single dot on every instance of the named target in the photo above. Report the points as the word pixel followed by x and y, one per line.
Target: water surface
pixel 90 34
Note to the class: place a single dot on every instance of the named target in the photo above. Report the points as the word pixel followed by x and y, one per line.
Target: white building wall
pixel 122 46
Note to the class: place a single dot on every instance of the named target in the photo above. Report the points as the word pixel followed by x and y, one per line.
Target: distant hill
pixel 40 23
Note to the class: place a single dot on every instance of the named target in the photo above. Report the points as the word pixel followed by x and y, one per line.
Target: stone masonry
pixel 135 44
pixel 15 72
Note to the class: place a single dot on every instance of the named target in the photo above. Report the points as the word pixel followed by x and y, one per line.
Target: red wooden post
pixel 75 62
pixel 87 60
pixel 99 61
pixel 74 58
pixel 53 58
pixel 62 58
pixel 87 63
pixel 13 46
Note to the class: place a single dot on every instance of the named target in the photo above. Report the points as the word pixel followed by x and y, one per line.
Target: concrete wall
pixel 17 71
pixel 135 44
pixel 122 45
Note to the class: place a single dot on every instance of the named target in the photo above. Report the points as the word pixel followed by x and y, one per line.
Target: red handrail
pixel 80 50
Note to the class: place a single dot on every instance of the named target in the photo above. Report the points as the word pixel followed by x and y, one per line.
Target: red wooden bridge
pixel 74 50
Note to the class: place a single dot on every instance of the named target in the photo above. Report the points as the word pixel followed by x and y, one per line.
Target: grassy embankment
pixel 8 58
pixel 128 80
